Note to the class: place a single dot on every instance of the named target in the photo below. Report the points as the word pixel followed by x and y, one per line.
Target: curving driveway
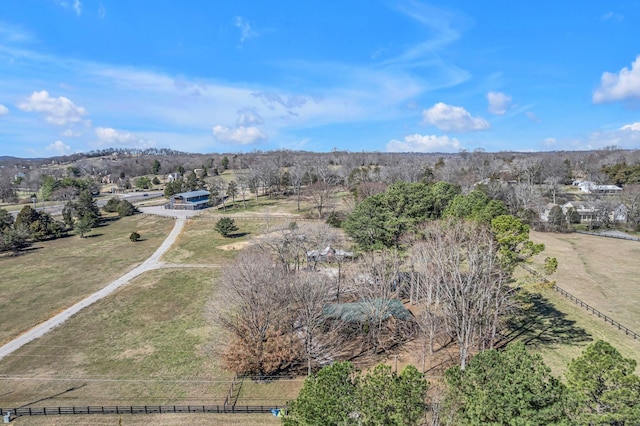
pixel 153 262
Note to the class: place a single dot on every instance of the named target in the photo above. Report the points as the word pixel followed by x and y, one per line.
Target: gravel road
pixel 151 263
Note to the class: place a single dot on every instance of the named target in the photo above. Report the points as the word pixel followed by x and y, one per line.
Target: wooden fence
pixel 137 409
pixel 594 311
pixel 604 234
pixel 589 308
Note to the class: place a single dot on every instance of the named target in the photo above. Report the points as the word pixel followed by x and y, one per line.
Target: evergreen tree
pixel 226 226
pixel 87 209
pixel 510 387
pixel 605 388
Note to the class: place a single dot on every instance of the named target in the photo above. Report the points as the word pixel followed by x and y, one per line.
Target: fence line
pixel 260 218
pixel 594 311
pixel 598 234
pixel 589 308
pixel 137 409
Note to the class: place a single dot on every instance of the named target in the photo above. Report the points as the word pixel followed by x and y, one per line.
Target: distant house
pixel 329 254
pixel 193 200
pixel 588 211
pixel 589 187
pixel 172 177
pixel 619 214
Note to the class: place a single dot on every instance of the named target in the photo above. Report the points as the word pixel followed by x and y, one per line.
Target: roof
pixel 191 194
pixel 365 309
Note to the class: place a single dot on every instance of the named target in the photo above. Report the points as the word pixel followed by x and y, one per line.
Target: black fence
pixel 138 409
pixel 588 307
pixel 594 311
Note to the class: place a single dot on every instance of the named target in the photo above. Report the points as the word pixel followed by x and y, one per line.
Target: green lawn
pixel 54 275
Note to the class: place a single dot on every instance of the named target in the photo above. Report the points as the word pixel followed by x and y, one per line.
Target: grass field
pixel 53 275
pixel 602 272
pixel 151 342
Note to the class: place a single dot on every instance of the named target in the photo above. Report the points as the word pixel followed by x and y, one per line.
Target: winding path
pixel 153 262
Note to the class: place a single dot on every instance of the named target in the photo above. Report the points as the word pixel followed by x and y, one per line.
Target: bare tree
pixel 257 316
pixel 310 292
pixel 473 291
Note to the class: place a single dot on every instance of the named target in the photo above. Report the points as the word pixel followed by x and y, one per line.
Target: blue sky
pixel 236 76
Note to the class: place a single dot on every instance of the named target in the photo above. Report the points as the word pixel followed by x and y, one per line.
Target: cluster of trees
pixel 29 225
pixel 515 387
pixel 282 313
pixel 120 206
pixel 499 387
pixel 339 394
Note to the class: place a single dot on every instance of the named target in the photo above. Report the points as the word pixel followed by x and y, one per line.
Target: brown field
pixel 53 275
pixel 602 272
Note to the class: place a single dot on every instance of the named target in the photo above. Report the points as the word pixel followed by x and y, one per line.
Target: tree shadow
pixel 538 323
pixel 54 396
pixel 92 235
pixel 239 235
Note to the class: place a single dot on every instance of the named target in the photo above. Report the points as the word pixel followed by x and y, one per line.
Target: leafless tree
pixel 473 291
pixel 257 316
pixel 309 293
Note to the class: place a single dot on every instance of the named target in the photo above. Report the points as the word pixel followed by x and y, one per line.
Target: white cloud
pixel 3 110
pixel 498 102
pixel 450 118
pixel 533 117
pixel 240 135
pixel 59 147
pixel 108 137
pixel 549 142
pixel 58 111
pixel 246 32
pixel 633 127
pixel 621 86
pixel 426 143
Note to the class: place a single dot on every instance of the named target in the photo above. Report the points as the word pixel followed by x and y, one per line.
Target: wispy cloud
pixel 424 143
pixel 612 16
pixel 3 110
pixel 498 103
pixel 450 118
pixel 102 11
pixel 246 32
pixel 621 86
pixel 76 5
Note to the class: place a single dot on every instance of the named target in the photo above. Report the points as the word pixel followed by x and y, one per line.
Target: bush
pixel 134 237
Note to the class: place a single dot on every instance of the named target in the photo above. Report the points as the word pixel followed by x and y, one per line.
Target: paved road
pixel 152 262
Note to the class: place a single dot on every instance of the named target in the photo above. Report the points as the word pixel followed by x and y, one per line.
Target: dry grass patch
pixel 603 272
pixel 54 275
pixel 147 344
pixel 152 419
